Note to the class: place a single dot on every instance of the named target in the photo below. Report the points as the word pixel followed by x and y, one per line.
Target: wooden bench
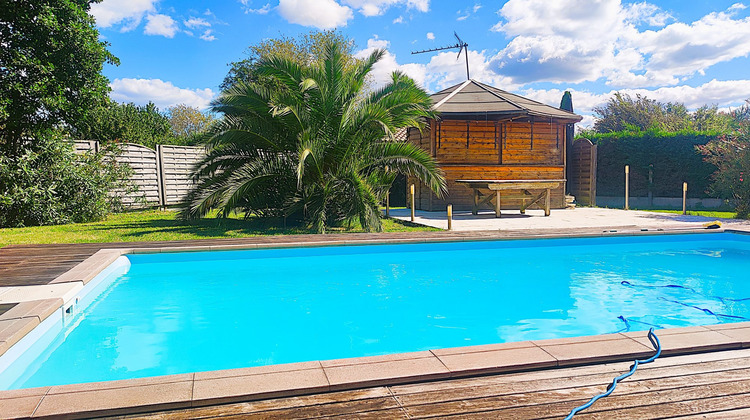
pixel 525 186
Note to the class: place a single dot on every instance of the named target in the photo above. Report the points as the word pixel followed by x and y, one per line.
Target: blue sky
pixel 691 51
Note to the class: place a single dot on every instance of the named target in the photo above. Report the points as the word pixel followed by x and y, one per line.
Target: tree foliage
pixel 311 145
pixel 624 113
pixel 304 49
pixel 731 154
pixel 128 123
pixel 188 122
pixel 50 68
pixel 47 183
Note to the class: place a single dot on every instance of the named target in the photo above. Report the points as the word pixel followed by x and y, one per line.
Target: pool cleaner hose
pixel 657 346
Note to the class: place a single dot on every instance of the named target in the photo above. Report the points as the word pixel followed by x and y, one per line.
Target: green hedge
pixel 673 156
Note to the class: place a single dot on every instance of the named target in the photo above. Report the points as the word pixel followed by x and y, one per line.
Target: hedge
pixel 673 155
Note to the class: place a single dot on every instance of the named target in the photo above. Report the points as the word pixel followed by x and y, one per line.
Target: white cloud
pixel 163 94
pixel 193 23
pixel 430 36
pixel 446 69
pixel 466 13
pixel 443 69
pixel 160 25
pixel 128 13
pixel 584 40
pixel 723 93
pixel 378 7
pixel 399 19
pixel 207 35
pixel 647 13
pixel 382 70
pixel 260 11
pixel 321 14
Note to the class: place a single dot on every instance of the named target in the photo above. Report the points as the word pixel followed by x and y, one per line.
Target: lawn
pixel 156 225
pixel 704 213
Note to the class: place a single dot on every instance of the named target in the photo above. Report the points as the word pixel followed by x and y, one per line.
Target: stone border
pixel 274 381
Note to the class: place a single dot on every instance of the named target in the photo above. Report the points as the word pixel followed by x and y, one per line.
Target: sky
pixel 690 51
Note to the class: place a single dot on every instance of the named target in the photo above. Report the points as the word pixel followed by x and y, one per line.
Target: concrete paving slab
pixel 582 217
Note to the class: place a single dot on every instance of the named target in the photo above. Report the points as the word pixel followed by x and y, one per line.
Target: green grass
pixel 155 225
pixel 704 213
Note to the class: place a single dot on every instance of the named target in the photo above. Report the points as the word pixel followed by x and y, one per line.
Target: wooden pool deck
pixel 711 382
pixel 706 386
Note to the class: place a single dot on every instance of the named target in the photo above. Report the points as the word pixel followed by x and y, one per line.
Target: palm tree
pixel 314 144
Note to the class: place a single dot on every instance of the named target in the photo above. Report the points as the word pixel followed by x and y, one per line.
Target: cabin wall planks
pixel 490 150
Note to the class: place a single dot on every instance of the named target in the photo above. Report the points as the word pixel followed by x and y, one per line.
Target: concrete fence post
pixel 627 187
pixel 684 198
pixel 412 202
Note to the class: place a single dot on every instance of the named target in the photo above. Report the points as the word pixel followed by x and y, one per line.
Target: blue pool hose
pixel 657 346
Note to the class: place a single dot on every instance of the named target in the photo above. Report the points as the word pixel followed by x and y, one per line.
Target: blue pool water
pixel 189 312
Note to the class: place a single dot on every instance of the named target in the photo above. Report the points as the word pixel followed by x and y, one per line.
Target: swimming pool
pixel 169 313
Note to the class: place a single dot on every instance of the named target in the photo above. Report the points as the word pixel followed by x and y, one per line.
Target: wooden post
pixel 627 187
pixel 497 203
pixel 450 216
pixel 412 202
pixel 684 198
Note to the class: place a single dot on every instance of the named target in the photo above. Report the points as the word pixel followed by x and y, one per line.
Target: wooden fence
pixel 163 176
pixel 583 172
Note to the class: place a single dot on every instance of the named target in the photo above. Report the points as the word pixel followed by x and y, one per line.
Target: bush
pixel 49 184
pixel 673 155
pixel 730 153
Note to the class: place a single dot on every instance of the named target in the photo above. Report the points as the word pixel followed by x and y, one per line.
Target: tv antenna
pixel 461 45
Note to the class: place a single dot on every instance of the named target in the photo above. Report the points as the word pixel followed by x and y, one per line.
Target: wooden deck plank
pixel 716 385
pixel 665 378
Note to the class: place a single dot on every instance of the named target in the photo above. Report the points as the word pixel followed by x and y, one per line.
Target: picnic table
pixel 525 186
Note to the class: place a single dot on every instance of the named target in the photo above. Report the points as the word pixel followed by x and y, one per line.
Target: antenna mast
pixel 461 45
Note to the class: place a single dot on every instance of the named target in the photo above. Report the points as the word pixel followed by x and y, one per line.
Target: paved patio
pixel 584 217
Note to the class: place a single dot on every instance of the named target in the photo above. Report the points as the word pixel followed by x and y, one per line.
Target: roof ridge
pixel 452 94
pixel 528 99
pixel 490 91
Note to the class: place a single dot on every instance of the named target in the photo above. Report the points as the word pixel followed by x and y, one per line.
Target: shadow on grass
pixel 225 228
pixel 207 227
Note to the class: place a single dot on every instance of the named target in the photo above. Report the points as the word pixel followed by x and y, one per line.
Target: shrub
pixel 49 184
pixel 315 148
pixel 673 155
pixel 730 153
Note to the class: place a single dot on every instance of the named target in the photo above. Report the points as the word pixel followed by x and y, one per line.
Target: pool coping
pixel 142 395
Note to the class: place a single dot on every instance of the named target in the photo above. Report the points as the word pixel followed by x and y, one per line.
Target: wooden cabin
pixel 489 134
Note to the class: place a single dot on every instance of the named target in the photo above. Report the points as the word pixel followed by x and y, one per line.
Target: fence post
pixel 412 202
pixel 160 178
pixel 627 187
pixel 651 185
pixel 684 198
pixel 450 216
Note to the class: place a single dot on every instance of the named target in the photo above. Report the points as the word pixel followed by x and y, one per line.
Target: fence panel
pixel 177 164
pixel 583 172
pixel 163 176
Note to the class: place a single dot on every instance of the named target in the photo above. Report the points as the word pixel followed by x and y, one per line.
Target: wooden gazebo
pixel 484 133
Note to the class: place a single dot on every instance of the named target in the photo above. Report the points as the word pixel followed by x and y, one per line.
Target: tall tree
pixel 315 147
pixel 51 64
pixel 187 122
pixel 141 124
pixel 303 49
pixel 566 103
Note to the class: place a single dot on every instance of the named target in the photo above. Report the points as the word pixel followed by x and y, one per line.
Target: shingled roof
pixel 475 98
